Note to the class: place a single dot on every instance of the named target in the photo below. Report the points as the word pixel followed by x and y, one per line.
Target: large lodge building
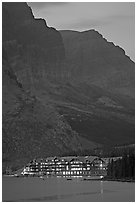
pixel 67 166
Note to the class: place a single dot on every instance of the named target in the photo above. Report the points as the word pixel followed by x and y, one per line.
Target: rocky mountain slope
pixel 31 127
pixel 91 58
pixel 62 91
pixel 104 78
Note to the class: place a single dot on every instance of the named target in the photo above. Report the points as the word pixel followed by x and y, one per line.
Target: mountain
pixel 102 80
pixel 62 91
pixel 31 127
pixel 30 42
pixel 91 58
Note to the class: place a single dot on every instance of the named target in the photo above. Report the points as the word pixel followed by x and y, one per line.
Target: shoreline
pixel 119 180
pixel 84 178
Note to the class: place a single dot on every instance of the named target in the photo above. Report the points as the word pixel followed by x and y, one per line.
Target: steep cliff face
pixel 34 50
pixel 93 59
pixel 31 127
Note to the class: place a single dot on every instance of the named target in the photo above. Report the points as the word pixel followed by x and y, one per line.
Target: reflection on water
pixel 101 187
pixel 61 189
pixel 101 190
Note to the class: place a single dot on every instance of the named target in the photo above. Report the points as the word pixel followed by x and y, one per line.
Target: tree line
pixel 122 168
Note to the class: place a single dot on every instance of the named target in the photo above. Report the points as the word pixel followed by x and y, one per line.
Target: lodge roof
pixel 70 158
pixel 83 159
pixel 107 159
pixel 91 158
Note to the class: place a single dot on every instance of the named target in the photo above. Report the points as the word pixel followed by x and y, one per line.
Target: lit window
pixel 101 165
pixel 88 168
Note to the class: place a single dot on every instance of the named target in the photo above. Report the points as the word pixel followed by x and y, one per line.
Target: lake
pixel 60 189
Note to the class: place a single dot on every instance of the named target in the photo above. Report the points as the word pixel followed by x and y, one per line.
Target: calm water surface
pixel 61 189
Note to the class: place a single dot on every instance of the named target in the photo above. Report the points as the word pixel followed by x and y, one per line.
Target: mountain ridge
pixel 92 58
pixel 83 31
pixel 59 97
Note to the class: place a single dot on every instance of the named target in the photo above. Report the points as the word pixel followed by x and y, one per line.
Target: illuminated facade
pixel 66 166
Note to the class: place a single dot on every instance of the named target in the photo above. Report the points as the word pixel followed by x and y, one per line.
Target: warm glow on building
pixel 67 166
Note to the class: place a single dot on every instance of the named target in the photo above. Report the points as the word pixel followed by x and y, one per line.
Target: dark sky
pixel 114 20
